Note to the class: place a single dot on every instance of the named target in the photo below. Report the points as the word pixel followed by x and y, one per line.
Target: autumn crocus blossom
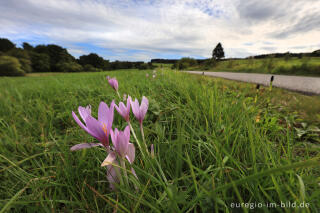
pixel 123 149
pixel 140 111
pixel 123 110
pixel 113 83
pixel 99 129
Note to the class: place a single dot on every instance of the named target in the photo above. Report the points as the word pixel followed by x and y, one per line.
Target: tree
pixel 23 57
pixel 68 67
pixel 27 46
pixel 56 55
pixel 40 62
pixel 218 52
pixel 92 59
pixel 6 45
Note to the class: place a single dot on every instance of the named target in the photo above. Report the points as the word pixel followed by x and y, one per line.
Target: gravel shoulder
pixel 307 85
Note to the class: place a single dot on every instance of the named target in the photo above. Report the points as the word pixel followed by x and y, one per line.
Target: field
pixel 217 145
pixel 307 66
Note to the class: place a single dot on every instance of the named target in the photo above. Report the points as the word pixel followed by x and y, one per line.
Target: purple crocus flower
pixel 99 129
pixel 140 111
pixel 113 83
pixel 122 149
pixel 123 110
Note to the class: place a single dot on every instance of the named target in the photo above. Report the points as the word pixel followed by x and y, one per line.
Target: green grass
pixel 211 149
pixel 308 66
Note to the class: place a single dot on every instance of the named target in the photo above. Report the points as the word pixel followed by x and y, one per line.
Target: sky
pixel 139 30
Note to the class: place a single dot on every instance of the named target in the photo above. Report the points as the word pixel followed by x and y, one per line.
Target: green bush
pixel 90 68
pixel 209 63
pixel 268 65
pixel 24 58
pixel 10 66
pixel 185 63
pixel 230 64
pixel 143 66
pixel 303 69
pixel 68 67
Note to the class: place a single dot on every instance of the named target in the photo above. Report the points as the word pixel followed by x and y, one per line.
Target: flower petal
pixel 85 127
pixel 135 109
pixel 105 114
pixel 144 107
pixel 122 110
pixel 130 153
pixel 128 103
pixel 122 144
pixel 113 137
pixel 96 130
pixel 84 112
pixel 75 117
pixel 110 159
pixel 84 146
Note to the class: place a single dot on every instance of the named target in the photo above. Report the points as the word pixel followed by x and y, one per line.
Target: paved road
pixel 307 85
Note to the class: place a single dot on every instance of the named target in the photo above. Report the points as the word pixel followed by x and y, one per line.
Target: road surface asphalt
pixel 306 85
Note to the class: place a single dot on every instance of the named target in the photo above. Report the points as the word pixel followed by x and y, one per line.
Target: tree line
pixel 16 61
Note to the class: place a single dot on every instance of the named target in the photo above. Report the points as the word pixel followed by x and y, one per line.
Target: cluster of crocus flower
pixel 153 74
pixel 122 150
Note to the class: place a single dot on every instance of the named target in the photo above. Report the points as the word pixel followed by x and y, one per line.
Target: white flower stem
pixel 144 141
pixel 118 94
pixel 135 137
pixel 118 174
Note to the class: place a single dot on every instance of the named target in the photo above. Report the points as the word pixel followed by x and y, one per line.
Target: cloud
pixel 141 30
pixel 308 23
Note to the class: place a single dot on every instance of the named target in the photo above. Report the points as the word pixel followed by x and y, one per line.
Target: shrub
pixel 268 64
pixel 143 66
pixel 90 68
pixel 305 69
pixel 10 66
pixel 209 63
pixel 68 67
pixel 184 63
pixel 231 64
pixel 24 58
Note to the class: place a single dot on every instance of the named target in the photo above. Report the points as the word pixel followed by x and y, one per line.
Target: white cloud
pixel 167 27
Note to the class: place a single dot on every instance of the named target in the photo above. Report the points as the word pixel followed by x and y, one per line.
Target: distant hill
pixel 171 61
pixel 315 53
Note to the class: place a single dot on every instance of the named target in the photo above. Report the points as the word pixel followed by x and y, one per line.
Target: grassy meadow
pixel 306 66
pixel 217 144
